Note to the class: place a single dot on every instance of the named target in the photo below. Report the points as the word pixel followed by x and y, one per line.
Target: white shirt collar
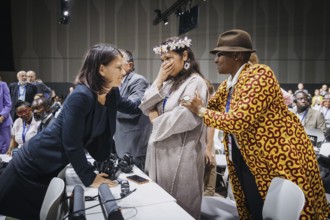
pixel 232 81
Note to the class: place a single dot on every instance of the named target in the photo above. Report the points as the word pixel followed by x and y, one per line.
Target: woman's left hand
pixel 192 103
pixel 102 178
pixel 153 114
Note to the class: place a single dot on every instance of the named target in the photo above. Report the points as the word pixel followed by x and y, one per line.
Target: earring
pixel 186 64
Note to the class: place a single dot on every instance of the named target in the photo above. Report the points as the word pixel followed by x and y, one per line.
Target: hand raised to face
pixel 165 71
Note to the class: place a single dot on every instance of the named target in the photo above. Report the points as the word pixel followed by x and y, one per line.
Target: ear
pixel 101 69
pixel 185 55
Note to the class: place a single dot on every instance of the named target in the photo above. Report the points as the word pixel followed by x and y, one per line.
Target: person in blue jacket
pixel 87 122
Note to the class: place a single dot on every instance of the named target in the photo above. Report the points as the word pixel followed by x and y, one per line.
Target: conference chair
pixel 51 206
pixel 325 149
pixel 284 200
pixel 61 174
pixel 220 208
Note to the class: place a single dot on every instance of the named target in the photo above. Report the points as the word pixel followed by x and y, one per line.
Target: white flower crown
pixel 172 46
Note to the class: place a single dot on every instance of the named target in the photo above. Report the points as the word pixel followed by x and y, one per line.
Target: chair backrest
pixel 325 149
pixel 50 208
pixel 284 200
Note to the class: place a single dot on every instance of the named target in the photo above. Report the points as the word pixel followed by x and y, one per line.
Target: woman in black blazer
pixel 87 122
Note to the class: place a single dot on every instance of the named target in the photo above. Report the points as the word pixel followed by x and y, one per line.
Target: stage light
pixel 64 12
pixel 180 11
pixel 165 21
pixel 179 4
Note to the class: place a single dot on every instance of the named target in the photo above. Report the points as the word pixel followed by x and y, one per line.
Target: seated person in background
pixel 42 112
pixel 301 88
pixel 24 128
pixel 324 90
pixel 317 100
pixel 309 117
pixel 325 109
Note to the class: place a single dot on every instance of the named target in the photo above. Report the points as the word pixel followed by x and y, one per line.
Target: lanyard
pixel 164 102
pixel 229 136
pixel 303 117
pixel 25 130
pixel 228 100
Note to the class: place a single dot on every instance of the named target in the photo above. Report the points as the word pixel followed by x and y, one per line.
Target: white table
pixel 149 201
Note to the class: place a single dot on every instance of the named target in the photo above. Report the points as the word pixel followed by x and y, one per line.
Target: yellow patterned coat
pixel 271 139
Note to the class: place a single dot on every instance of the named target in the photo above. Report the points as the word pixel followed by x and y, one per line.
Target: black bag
pixel 324 165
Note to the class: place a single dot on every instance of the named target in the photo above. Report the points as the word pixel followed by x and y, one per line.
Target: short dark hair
pixel 20 103
pixel 130 59
pixel 305 94
pixel 99 54
pixel 44 102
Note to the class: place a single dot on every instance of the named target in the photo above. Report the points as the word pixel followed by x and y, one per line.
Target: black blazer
pixel 31 90
pixel 73 132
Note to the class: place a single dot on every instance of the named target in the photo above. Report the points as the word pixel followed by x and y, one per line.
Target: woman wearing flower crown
pixel 175 157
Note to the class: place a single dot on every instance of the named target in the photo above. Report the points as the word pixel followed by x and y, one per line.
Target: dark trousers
pixel 20 197
pixel 140 162
pixel 254 202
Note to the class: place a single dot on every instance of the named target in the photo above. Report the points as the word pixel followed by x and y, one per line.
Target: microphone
pixel 77 204
pixel 110 208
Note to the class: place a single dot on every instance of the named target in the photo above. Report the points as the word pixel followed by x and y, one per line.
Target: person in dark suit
pixel 87 122
pixel 21 90
pixel 41 87
pixel 133 130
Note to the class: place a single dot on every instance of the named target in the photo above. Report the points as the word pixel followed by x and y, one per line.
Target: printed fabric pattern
pixel 271 139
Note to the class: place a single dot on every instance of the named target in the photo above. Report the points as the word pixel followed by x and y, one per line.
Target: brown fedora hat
pixel 234 41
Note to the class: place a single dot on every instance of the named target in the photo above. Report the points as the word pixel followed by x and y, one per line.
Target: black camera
pixel 114 165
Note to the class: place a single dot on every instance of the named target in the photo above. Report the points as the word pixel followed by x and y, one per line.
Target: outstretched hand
pixel 192 103
pixel 102 178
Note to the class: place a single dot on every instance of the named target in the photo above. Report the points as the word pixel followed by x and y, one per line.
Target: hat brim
pixel 231 49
